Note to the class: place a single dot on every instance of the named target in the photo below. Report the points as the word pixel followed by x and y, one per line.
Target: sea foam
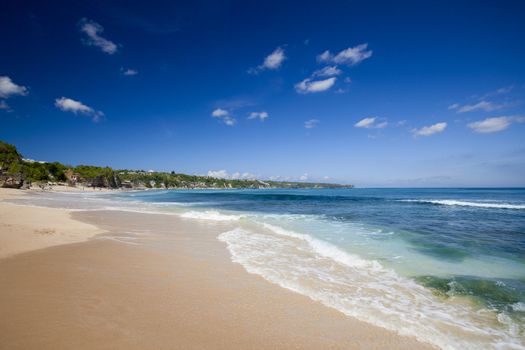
pixel 452 202
pixel 364 289
pixel 212 215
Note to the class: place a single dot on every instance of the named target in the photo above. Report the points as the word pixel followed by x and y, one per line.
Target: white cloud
pixel 224 116
pixel 328 71
pixel 128 71
pixel 325 56
pixel 275 59
pixel 258 115
pixel 92 30
pixel 8 88
pixel 430 130
pixel 491 125
pixel 308 85
pixel 482 105
pixel 303 177
pixel 243 176
pixel 365 123
pixel 312 123
pixel 223 174
pixel 70 105
pixel 271 62
pixel 370 122
pixel 494 124
pixel 220 174
pixel 230 121
pixel 219 112
pixel 350 56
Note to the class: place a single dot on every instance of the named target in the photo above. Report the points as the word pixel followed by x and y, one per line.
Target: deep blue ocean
pixel 444 265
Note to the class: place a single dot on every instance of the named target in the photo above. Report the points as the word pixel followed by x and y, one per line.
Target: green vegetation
pixel 12 164
pixel 40 171
pixel 8 154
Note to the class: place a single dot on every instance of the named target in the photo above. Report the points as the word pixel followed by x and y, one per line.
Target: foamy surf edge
pixel 211 215
pixel 453 202
pixel 362 289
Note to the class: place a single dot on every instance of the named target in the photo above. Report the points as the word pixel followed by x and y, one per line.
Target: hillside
pixel 11 167
pixel 16 172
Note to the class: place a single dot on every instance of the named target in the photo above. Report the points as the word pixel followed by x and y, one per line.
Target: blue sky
pixel 408 93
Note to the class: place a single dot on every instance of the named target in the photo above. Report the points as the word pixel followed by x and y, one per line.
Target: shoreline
pixel 144 282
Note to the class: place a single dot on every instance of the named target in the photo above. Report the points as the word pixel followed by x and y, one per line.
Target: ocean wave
pixel 452 202
pixel 365 289
pixel 212 215
pixel 324 249
pixel 519 306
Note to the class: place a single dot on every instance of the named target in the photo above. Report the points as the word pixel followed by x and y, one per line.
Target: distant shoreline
pixel 18 172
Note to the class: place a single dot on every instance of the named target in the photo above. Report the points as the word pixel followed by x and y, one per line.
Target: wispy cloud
pixel 259 115
pixel 481 105
pixel 92 31
pixel 501 91
pixel 504 90
pixel 4 106
pixel 8 88
pixel 224 116
pixel 371 122
pixel 483 102
pixel 495 124
pixel 128 71
pixel 328 71
pixel 271 62
pixel 350 56
pixel 310 86
pixel 223 174
pixel 430 130
pixel 70 105
pixel 312 123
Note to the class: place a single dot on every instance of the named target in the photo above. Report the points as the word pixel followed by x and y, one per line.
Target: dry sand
pixel 155 282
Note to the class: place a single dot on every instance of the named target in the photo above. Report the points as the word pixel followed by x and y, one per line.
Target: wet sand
pixel 25 228
pixel 161 282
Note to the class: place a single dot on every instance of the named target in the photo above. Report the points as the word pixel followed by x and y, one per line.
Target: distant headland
pixel 17 172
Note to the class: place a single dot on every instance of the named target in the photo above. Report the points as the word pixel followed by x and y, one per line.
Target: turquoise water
pixel 444 265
